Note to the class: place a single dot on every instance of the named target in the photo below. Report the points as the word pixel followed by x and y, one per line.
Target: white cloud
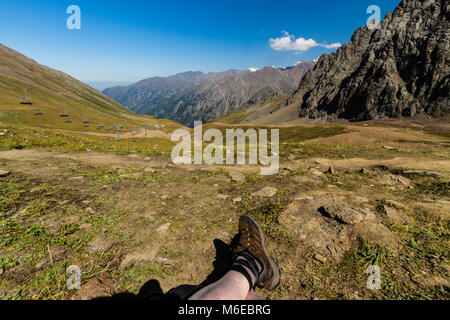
pixel 289 43
pixel 253 69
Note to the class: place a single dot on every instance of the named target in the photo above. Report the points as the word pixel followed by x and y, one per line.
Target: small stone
pixel 238 199
pixel 85 226
pixel 223 196
pixel 76 178
pixel 105 187
pixel 364 171
pixel 90 210
pixel 130 176
pixel 346 215
pixel 135 258
pixel 1 271
pixel 36 189
pixel 267 192
pixel 395 204
pixel 320 258
pixel 164 197
pixel 150 217
pixel 237 177
pixel 361 199
pixel 147 158
pixel 389 148
pixel 99 244
pixel 149 169
pixel 317 173
pixel 164 228
pixel 4 173
pixel 216 185
pixel 86 202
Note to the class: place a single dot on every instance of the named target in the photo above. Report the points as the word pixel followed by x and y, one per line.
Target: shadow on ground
pixel 152 290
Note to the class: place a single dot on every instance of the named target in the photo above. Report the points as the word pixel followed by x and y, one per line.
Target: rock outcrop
pixel 401 69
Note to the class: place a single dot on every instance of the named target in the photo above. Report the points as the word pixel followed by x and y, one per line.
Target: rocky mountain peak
pixel 401 69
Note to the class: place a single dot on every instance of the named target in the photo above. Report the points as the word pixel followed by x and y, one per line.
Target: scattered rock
pixel 377 233
pixel 346 215
pixel 164 228
pixel 76 178
pixel 93 288
pixel 151 170
pixel 336 232
pixel 90 210
pixel 423 174
pixel 389 148
pixel 236 176
pixel 364 171
pixel 317 173
pixel 86 202
pixel 223 196
pixel 4 173
pixel 105 187
pixel 395 204
pixel 361 199
pixel 149 216
pixel 331 170
pixel 54 228
pixel 100 243
pixel 36 189
pixel 267 192
pixel 395 216
pixel 320 258
pixel 165 165
pixel 395 181
pixel 131 175
pixel 85 226
pixel 140 257
pixel 238 199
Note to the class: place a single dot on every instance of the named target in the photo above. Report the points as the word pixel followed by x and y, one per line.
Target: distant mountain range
pixel 191 96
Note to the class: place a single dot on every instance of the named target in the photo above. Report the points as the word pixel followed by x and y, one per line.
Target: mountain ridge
pixel 206 95
pixel 402 69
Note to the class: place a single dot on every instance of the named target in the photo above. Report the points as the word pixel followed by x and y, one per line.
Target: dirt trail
pixel 140 133
pixel 136 161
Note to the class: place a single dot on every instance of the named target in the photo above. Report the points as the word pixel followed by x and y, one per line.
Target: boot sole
pixel 276 279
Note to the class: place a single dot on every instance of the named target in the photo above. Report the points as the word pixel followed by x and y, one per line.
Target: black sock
pixel 247 265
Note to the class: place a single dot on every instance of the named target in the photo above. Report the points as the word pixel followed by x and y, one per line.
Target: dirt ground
pixel 127 219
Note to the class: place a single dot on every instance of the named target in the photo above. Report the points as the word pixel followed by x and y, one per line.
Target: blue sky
pixel 125 41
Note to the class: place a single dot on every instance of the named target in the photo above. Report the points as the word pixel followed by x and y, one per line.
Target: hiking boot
pixel 252 239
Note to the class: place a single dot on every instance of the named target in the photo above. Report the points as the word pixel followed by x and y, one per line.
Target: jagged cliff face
pixel 401 69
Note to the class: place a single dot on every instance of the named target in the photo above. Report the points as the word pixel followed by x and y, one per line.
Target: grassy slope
pixel 53 91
